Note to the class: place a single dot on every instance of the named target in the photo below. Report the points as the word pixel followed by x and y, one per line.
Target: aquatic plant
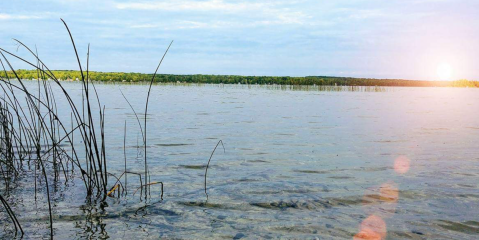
pixel 209 160
pixel 31 132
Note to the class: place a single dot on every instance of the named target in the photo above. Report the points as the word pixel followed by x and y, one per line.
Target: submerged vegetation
pixel 233 79
pixel 39 144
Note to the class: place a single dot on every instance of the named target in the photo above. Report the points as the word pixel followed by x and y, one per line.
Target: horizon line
pixel 239 75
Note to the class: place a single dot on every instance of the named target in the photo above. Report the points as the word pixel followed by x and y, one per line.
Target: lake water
pixel 298 164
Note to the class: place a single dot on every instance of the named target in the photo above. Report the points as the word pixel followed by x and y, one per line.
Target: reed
pixel 32 133
pixel 146 113
pixel 12 216
pixel 209 160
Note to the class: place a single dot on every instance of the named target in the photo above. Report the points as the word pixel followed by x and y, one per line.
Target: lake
pixel 298 163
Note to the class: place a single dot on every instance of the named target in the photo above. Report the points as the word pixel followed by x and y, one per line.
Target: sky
pixel 407 39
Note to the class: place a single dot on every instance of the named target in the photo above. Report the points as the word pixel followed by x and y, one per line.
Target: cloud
pixel 178 25
pixel 181 5
pixel 319 37
pixel 18 17
pixel 280 20
pixel 366 14
pixel 429 1
pixel 148 25
pixel 243 14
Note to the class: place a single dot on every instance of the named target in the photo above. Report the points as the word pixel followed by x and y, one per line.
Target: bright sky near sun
pixel 411 39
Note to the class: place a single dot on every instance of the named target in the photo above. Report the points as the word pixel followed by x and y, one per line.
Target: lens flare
pixel 372 227
pixel 381 200
pixel 402 164
pixel 388 193
pixel 367 235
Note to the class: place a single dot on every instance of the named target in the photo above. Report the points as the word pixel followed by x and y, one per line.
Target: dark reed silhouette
pixel 32 132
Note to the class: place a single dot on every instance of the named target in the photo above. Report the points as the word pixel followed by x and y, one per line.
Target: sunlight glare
pixel 444 71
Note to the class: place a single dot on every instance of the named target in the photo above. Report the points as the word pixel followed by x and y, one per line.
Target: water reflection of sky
pixel 298 164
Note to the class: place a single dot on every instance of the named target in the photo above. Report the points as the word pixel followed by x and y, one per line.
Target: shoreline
pixel 119 77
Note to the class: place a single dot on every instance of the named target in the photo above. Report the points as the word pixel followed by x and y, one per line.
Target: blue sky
pixel 359 38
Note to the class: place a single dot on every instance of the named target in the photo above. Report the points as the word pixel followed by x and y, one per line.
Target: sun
pixel 444 71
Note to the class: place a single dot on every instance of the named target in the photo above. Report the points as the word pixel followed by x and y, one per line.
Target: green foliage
pixel 232 79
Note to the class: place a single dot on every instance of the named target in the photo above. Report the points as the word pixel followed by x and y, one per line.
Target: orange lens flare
pixel 402 164
pixel 381 200
pixel 367 235
pixel 372 227
pixel 388 193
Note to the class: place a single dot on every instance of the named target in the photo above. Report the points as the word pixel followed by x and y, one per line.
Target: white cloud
pixel 18 17
pixel 245 13
pixel 178 25
pixel 281 20
pixel 429 1
pixel 144 26
pixel 181 5
pixel 288 17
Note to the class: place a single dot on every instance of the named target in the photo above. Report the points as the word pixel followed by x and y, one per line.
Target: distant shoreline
pixel 73 75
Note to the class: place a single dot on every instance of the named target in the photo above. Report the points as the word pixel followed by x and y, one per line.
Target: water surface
pixel 298 164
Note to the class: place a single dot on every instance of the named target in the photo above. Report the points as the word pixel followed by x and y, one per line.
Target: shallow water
pixel 298 164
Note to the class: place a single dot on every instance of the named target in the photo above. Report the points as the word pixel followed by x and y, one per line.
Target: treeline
pixel 233 79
